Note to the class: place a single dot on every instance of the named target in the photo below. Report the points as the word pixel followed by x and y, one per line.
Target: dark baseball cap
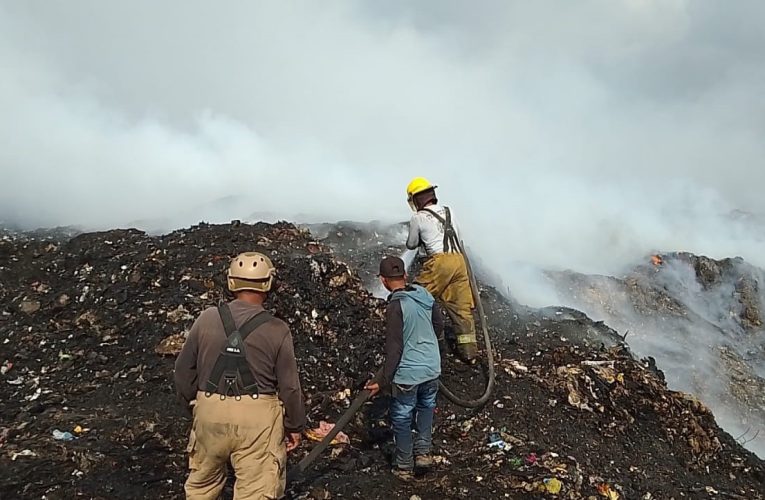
pixel 392 267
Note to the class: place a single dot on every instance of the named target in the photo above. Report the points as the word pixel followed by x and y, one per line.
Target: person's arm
pixel 438 321
pixel 185 374
pixel 413 241
pixel 394 347
pixel 288 386
pixel 394 341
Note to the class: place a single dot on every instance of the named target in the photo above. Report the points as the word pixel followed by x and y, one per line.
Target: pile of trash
pixel 679 307
pixel 527 340
pixel 89 327
pixel 363 245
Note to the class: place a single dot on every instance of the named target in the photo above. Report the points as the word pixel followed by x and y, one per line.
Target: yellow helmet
pixel 251 271
pixel 418 185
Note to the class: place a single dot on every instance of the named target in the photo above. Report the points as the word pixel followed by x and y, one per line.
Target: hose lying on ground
pixel 365 395
pixel 317 450
pixel 475 403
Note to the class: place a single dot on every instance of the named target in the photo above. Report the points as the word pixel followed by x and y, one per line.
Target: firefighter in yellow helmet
pixel 444 273
pixel 238 365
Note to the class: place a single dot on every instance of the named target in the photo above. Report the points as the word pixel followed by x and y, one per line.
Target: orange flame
pixel 656 260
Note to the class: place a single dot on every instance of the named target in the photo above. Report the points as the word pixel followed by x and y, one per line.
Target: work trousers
pixel 250 434
pixel 418 403
pixel 445 276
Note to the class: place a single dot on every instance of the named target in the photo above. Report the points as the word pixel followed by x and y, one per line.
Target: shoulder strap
pixel 228 319
pixel 434 214
pixel 231 364
pixel 451 243
pixel 448 214
pixel 254 323
pixel 248 327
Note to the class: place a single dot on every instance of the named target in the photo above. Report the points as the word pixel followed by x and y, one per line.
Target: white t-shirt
pixel 427 232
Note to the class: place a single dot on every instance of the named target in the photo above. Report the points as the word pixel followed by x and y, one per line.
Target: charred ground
pixel 89 326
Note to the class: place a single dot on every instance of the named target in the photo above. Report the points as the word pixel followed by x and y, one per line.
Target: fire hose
pixel 365 394
pixel 295 472
pixel 474 403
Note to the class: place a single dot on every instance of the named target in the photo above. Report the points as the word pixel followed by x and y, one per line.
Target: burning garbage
pixel 103 358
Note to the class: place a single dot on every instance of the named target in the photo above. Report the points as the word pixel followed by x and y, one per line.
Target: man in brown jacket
pixel 238 364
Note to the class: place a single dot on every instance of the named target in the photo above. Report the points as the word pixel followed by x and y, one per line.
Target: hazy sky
pixel 566 134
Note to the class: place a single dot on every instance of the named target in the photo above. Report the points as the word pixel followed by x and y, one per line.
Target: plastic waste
pixel 62 436
pixel 34 396
pixel 605 490
pixel 23 453
pixel 497 441
pixel 320 432
pixel 553 486
pixel 531 459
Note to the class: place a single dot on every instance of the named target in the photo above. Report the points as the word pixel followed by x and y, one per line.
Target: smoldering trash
pixel 90 325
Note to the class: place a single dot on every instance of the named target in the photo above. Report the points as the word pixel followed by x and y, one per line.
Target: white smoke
pixel 578 136
pixel 696 333
pixel 564 138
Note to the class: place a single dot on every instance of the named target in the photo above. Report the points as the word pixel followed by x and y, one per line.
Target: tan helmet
pixel 251 271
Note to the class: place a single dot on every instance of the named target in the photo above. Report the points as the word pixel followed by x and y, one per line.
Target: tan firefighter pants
pixel 250 433
pixel 445 276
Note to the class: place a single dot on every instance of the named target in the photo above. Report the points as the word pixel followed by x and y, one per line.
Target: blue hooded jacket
pixel 420 357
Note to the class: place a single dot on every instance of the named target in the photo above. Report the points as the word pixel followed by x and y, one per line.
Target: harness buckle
pixel 232 388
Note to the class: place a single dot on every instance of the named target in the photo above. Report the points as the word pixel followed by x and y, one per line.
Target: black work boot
pixel 468 352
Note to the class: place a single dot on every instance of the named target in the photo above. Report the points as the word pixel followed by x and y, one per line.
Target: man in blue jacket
pixel 412 366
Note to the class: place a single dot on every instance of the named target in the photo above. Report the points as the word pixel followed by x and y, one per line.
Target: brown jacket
pixel 269 352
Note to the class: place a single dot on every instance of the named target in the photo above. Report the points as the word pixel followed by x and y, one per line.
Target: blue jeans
pixel 412 402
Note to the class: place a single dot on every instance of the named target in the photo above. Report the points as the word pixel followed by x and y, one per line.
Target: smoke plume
pixel 564 135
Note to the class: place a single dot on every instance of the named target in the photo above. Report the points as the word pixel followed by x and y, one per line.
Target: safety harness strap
pixel 229 325
pixel 232 364
pixel 451 243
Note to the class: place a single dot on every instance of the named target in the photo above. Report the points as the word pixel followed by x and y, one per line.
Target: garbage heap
pixel 89 327
pixel 682 307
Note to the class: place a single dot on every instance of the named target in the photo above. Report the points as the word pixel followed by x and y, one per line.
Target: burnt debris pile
pixel 89 326
pixel 701 318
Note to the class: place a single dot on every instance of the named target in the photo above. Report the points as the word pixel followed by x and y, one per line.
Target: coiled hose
pixel 474 403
